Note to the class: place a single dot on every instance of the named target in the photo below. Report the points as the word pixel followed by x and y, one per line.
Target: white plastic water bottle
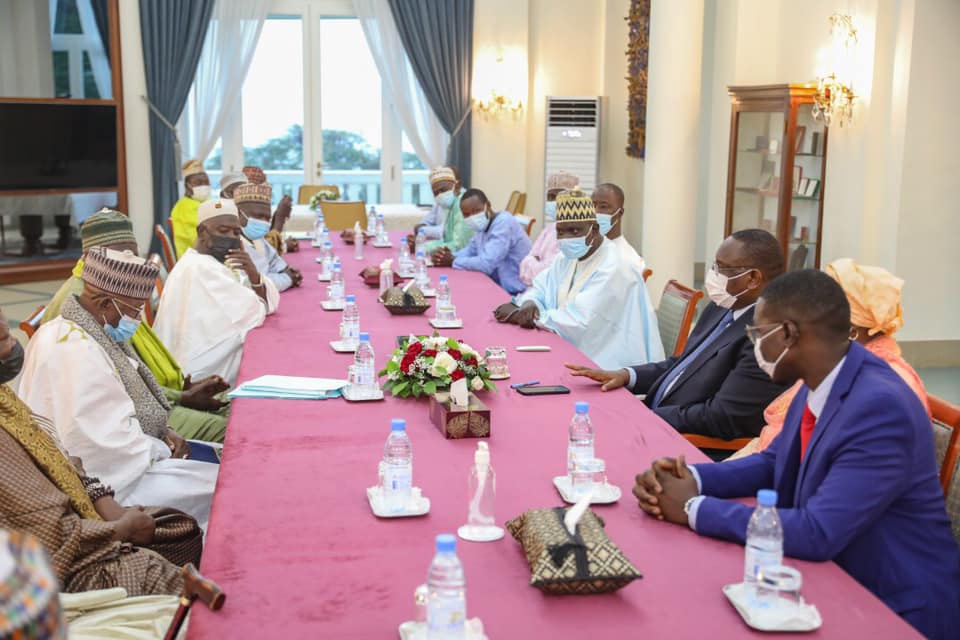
pixel 397 467
pixel 358 243
pixel 580 447
pixel 372 220
pixel 764 547
pixel 443 292
pixel 327 256
pixel 324 235
pixel 365 370
pixel 318 226
pixel 381 230
pixel 446 593
pixel 336 285
pixel 350 324
pixel 421 243
pixel 423 280
pixel 403 264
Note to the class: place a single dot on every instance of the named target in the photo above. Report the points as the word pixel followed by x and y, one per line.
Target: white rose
pixel 467 350
pixel 443 365
pixel 476 384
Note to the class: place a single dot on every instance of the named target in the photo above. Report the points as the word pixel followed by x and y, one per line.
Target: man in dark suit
pixel 714 387
pixel 854 467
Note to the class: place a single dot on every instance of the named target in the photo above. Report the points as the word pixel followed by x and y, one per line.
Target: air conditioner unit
pixel 573 139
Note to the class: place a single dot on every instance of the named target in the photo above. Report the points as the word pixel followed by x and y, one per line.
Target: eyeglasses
pixel 756 332
pixel 720 269
pixel 137 310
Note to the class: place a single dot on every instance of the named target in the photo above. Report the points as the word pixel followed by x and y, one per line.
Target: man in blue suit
pixel 853 468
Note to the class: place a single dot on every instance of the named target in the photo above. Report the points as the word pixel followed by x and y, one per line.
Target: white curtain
pixel 423 129
pixel 26 61
pixel 227 52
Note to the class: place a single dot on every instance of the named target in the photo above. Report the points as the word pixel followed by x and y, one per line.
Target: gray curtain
pixel 102 15
pixel 438 38
pixel 173 32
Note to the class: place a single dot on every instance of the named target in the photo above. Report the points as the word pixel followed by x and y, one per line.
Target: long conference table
pixel 293 542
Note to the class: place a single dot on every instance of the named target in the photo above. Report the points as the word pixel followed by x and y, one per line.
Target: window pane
pixel 89 84
pixel 416 177
pixel 273 106
pixel 61 74
pixel 67 18
pixel 350 111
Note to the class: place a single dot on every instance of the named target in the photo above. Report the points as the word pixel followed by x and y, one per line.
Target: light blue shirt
pixel 497 252
pixel 816 401
pixel 433 222
pixel 269 263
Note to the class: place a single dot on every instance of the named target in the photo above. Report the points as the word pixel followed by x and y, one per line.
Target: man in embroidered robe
pixel 591 295
pixel 206 310
pixel 105 404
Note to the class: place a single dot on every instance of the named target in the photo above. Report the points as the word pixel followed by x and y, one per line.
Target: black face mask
pixel 220 245
pixel 11 365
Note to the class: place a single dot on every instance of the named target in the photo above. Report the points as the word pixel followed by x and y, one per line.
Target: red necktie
pixel 807 424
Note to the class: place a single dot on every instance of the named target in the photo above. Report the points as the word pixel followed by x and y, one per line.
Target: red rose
pixel 471 361
pixel 414 349
pixel 456 375
pixel 456 355
pixel 430 353
pixel 406 363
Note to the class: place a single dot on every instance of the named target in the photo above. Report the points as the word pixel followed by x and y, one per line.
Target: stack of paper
pixel 289 387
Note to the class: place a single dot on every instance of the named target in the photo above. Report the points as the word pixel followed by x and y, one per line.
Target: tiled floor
pixel 20 300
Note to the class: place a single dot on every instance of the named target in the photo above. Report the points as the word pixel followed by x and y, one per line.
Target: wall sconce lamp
pixel 834 99
pixel 497 102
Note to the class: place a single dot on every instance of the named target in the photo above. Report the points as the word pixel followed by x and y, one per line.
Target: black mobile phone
pixel 543 391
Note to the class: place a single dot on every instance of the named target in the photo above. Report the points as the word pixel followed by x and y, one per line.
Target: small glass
pixel 588 476
pixel 497 361
pixel 447 314
pixel 778 587
pixel 420 598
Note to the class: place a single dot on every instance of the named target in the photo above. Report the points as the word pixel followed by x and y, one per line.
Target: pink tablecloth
pixel 295 546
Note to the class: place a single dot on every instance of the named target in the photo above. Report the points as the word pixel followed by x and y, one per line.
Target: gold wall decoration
pixel 638 47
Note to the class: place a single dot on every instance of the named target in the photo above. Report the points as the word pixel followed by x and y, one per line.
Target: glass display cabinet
pixel 775 175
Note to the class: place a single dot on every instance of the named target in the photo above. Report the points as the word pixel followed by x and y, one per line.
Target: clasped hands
pixel 525 316
pixel 201 395
pixel 663 489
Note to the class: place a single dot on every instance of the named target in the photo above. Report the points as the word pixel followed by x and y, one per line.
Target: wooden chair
pixel 521 204
pixel 153 303
pixel 169 255
pixel 307 191
pixel 707 442
pixel 675 315
pixel 647 273
pixel 31 324
pixel 512 202
pixel 524 221
pixel 946 438
pixel 343 215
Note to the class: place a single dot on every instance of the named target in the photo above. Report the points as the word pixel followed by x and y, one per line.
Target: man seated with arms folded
pixel 499 243
pixel 105 404
pixel 198 413
pixel 206 310
pixel 196 190
pixel 273 237
pixel 253 202
pixel 608 201
pixel 545 248
pixel 853 468
pixel 591 296
pixel 443 225
pixel 85 532
pixel 875 315
pixel 714 387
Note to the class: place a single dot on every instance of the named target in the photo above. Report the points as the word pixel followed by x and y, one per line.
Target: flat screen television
pixel 57 146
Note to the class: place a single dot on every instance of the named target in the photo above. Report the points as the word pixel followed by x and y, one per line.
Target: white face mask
pixel 201 192
pixel 550 212
pixel 716 285
pixel 765 365
pixel 445 200
pixel 478 222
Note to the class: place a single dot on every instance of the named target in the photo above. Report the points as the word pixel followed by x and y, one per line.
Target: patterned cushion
pixel 669 319
pixel 941 438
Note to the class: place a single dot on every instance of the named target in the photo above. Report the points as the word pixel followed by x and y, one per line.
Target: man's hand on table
pixel 295 276
pixel 442 257
pixel 201 395
pixel 526 316
pixel 293 245
pixel 505 312
pixel 179 448
pixel 663 489
pixel 609 379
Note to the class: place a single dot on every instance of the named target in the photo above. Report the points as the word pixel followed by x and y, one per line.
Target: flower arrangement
pixel 321 196
pixel 428 364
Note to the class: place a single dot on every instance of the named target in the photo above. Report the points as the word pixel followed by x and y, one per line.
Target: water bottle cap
pixel 767 497
pixel 364 337
pixel 443 278
pixel 398 424
pixel 327 244
pixel 419 254
pixel 446 543
pixel 582 407
pixel 380 215
pixel 351 298
pixel 336 266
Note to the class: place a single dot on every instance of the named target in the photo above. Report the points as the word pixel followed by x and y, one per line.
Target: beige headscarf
pixel 873 293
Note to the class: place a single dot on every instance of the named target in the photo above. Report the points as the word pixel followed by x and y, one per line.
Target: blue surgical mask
pixel 478 222
pixel 550 212
pixel 605 220
pixel 256 229
pixel 574 248
pixel 124 329
pixel 445 199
